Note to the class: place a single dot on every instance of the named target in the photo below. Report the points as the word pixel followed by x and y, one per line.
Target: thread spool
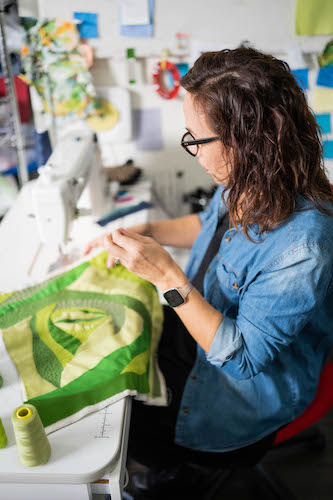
pixel 3 437
pixel 32 443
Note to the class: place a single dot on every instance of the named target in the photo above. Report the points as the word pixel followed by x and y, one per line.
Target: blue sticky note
pixel 140 30
pixel 183 68
pixel 324 122
pixel 88 28
pixel 302 77
pixel 328 150
pixel 325 76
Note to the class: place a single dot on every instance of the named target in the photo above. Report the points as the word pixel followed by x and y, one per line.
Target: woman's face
pixel 211 156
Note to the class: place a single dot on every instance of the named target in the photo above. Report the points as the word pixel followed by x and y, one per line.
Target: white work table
pixel 94 447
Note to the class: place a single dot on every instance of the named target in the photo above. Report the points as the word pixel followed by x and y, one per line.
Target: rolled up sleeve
pixel 274 308
pixel 227 340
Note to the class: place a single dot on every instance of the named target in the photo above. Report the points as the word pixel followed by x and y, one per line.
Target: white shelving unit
pixel 13 135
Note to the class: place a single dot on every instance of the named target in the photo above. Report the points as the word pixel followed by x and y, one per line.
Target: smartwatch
pixel 177 296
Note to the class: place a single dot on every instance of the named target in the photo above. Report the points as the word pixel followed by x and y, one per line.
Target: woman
pixel 242 352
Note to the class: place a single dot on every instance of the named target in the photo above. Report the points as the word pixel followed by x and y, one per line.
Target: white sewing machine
pixel 41 232
pixel 56 193
pixel 54 216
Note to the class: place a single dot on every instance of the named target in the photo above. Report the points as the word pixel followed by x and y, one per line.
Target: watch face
pixel 174 298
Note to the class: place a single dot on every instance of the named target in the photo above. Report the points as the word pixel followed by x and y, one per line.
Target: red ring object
pixel 157 71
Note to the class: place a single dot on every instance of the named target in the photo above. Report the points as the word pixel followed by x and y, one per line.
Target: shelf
pixel 32 167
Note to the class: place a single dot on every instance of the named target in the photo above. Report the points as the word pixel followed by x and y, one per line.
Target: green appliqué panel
pixel 47 364
pixel 83 337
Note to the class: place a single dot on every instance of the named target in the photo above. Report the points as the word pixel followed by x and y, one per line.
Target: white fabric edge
pixel 37 281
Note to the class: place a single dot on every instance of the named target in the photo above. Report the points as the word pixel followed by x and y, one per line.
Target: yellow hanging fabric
pixel 314 17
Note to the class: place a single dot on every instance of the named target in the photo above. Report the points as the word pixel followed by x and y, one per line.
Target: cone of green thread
pixel 3 437
pixel 32 443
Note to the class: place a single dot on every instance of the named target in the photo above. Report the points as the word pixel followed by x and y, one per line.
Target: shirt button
pixel 185 410
pixel 227 238
pixel 193 376
pixel 235 286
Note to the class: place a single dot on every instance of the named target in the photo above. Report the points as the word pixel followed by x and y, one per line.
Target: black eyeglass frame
pixel 196 142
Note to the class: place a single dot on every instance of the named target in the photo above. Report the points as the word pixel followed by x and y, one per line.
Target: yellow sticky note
pixel 323 100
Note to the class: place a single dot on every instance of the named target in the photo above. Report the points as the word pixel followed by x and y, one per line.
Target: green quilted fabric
pixel 82 337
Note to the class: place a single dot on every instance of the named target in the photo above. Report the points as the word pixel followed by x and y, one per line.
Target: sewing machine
pixel 56 193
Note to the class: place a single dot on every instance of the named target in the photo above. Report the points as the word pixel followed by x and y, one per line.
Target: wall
pixel 268 24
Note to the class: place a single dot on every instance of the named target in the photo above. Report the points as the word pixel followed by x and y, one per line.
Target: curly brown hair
pixel 255 105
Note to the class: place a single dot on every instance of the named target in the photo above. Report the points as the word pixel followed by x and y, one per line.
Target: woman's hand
pixel 103 242
pixel 143 256
pixel 106 240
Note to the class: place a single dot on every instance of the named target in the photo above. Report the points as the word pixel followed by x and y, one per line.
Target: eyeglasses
pixel 191 145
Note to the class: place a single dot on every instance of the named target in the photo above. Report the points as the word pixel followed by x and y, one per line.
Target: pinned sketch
pixel 136 17
pixel 134 12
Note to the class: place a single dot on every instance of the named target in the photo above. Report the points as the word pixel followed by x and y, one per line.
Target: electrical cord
pixel 126 479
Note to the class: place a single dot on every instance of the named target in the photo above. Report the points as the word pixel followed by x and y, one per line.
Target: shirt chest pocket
pixel 229 279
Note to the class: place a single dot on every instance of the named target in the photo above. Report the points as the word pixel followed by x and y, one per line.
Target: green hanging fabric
pixel 314 17
pixel 55 66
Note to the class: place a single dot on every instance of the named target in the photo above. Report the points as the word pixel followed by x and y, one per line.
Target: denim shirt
pixel 276 298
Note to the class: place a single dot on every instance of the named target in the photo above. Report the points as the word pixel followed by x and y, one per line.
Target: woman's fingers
pixel 98 242
pixel 143 255
pixel 110 261
pixel 133 235
pixel 126 239
pixel 115 252
pixel 101 241
pixel 139 254
pixel 122 244
pixel 119 236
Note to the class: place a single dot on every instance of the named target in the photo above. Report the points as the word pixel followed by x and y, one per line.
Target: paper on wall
pixel 148 130
pixel 323 100
pixel 295 57
pixel 134 12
